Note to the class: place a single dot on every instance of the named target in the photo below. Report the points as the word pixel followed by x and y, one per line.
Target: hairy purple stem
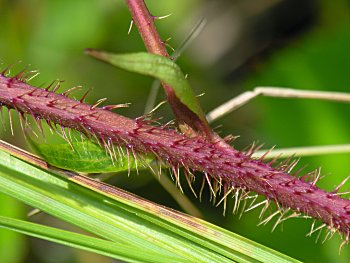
pixel 233 169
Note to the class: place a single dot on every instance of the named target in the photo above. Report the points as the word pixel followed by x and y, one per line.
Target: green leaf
pixel 123 218
pixel 68 238
pixel 158 67
pixel 12 245
pixel 87 157
pixel 95 213
pixel 210 236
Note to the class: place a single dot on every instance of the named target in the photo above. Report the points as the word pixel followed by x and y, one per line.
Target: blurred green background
pixel 245 43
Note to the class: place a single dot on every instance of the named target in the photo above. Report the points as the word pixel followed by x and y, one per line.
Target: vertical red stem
pixel 144 22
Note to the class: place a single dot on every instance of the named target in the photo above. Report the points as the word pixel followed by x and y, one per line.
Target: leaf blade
pixel 68 238
pixel 206 243
pixel 97 214
pixel 158 67
pixel 87 157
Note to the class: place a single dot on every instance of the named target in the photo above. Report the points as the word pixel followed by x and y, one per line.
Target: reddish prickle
pixel 231 168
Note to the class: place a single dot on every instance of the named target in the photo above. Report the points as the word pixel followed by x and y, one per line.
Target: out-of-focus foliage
pixel 51 35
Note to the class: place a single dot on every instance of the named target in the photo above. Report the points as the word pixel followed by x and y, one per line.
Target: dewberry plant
pixel 190 150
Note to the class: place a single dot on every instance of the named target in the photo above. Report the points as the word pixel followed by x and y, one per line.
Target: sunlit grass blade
pixel 212 237
pixel 68 238
pixel 96 213
pixel 124 218
pixel 13 243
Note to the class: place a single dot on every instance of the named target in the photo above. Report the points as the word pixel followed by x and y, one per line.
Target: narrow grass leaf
pixel 122 217
pixel 68 238
pixel 98 214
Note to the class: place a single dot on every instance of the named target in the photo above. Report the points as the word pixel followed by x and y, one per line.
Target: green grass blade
pixel 12 245
pixel 68 238
pixel 95 213
pixel 212 237
pixel 125 218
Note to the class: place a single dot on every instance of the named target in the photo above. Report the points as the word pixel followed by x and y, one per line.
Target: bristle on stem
pixel 223 168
